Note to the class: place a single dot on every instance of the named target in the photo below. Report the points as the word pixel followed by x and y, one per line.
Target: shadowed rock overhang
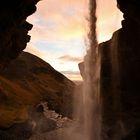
pixel 14 28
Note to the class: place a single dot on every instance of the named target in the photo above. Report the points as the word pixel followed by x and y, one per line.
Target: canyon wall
pixel 119 77
pixel 14 28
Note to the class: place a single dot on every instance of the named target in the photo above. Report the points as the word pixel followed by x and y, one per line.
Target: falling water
pixel 91 101
pixel 88 108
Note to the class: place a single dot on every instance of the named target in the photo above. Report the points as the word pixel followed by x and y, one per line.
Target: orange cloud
pixel 67 19
pixel 70 58
pixel 63 20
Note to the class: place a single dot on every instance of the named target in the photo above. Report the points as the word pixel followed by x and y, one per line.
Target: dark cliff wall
pixel 14 28
pixel 120 67
pixel 120 76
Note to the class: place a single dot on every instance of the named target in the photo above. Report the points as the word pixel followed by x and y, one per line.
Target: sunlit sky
pixel 60 30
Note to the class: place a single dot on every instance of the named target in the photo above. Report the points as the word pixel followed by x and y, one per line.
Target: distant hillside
pixel 29 80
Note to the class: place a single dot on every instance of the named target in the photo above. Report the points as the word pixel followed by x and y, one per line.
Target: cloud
pixel 60 27
pixel 63 20
pixel 70 58
pixel 71 72
pixel 45 55
pixel 73 75
pixel 66 19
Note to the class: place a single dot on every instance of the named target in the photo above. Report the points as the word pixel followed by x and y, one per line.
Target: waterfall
pixel 88 107
pixel 91 101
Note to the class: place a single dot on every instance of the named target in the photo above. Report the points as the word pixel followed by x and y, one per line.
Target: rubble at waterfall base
pixel 61 128
pixel 50 124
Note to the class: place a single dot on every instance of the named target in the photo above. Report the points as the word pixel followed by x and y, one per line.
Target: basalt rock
pixel 120 76
pixel 120 66
pixel 14 28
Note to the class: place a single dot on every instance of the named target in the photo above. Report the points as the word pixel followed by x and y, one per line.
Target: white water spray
pixel 89 108
pixel 91 101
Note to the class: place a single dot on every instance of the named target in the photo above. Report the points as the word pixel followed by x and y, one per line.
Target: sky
pixel 60 31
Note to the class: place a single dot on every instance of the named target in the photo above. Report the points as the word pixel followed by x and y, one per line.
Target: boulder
pixel 42 123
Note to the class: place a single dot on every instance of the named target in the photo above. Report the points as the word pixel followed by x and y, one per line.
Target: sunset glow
pixel 60 29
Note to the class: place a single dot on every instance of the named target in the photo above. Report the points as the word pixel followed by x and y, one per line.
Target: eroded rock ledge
pixel 14 28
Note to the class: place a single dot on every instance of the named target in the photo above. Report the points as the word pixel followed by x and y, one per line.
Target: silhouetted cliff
pixel 120 76
pixel 14 28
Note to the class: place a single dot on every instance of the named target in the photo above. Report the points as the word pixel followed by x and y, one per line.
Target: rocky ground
pixel 50 125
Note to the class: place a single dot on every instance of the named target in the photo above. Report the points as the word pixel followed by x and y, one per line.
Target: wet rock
pixel 119 76
pixel 45 125
pixel 42 123
pixel 20 131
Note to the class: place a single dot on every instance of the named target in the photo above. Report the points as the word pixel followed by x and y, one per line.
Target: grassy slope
pixel 26 82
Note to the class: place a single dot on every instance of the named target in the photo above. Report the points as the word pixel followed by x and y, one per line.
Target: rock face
pixel 21 131
pixel 42 123
pixel 14 28
pixel 120 86
pixel 28 80
pixel 120 66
